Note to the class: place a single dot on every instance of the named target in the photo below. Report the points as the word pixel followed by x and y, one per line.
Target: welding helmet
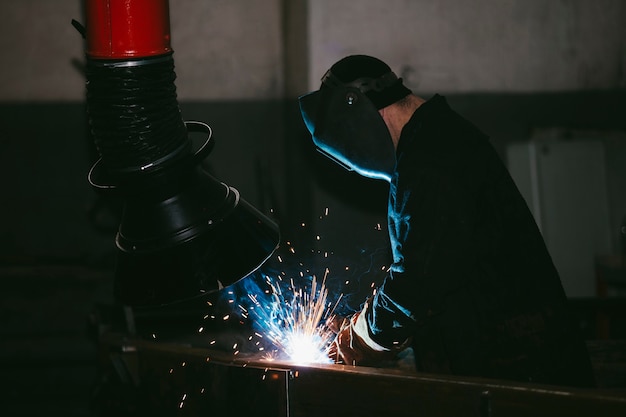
pixel 343 118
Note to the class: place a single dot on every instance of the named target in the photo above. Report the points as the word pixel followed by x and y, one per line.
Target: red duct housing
pixel 118 29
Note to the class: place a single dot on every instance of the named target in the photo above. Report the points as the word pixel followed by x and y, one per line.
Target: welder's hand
pixel 335 323
pixel 350 348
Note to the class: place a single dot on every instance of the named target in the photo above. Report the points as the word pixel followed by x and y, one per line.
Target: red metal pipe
pixel 119 29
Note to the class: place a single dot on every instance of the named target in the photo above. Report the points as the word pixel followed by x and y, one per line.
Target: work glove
pixel 353 345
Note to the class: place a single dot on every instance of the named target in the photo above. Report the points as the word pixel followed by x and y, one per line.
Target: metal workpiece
pixel 164 378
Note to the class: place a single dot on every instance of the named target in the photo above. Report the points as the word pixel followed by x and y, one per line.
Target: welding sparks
pixel 292 321
pixel 297 324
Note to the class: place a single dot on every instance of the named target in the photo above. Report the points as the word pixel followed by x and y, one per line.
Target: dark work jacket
pixel 472 283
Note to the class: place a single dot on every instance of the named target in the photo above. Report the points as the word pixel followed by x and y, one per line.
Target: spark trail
pixel 296 323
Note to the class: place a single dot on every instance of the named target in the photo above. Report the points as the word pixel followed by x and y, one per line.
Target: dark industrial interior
pixel 57 250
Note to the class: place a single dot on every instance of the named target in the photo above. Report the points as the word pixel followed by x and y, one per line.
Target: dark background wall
pixel 51 213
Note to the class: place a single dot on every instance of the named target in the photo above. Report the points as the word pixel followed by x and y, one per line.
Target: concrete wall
pixel 452 46
pixel 244 49
pixel 40 49
pixel 227 50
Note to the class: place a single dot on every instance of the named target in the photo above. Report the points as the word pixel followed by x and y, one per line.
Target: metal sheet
pixel 171 378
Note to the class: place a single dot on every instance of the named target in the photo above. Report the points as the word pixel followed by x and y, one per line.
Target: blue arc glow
pixel 296 323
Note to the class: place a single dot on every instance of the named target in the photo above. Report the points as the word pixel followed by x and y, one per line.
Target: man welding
pixel 472 288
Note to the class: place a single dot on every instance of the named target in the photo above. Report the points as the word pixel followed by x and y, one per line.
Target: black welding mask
pixel 346 127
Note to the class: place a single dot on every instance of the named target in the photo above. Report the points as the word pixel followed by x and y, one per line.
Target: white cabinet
pixel 576 189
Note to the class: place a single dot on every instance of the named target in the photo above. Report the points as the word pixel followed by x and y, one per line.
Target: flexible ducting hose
pixel 134 115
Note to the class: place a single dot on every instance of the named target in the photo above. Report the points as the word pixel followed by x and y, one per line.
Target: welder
pixel 472 288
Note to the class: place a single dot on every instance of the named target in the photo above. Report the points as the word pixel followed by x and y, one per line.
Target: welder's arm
pixel 354 346
pixel 435 243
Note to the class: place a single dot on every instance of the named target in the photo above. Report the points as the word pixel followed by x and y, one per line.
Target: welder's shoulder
pixel 443 130
pixel 441 117
pixel 451 142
